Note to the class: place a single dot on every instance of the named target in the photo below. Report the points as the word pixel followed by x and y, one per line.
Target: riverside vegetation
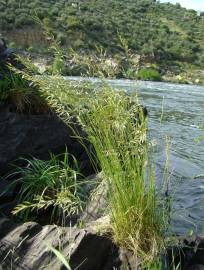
pixel 162 41
pixel 116 127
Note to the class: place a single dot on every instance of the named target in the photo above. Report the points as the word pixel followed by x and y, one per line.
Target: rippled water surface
pixel 177 111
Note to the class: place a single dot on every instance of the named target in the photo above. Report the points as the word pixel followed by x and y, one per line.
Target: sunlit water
pixel 177 112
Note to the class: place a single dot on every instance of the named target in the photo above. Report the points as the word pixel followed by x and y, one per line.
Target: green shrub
pixel 30 49
pixel 61 38
pixel 149 74
pixel 58 65
pixel 12 45
pixel 172 28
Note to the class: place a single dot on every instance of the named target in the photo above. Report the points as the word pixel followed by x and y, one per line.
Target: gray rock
pixel 97 204
pixel 24 247
pixel 128 260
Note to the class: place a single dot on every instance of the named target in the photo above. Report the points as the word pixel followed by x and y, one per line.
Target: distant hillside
pixel 159 32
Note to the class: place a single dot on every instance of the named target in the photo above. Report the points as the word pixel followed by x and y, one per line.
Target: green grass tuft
pixel 51 183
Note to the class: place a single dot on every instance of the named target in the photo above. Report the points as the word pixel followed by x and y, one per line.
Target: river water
pixel 177 112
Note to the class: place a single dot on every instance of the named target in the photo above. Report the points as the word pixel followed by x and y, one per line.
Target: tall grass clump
pixel 117 128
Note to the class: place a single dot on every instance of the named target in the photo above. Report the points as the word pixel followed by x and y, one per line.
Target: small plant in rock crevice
pixel 53 183
pixel 24 98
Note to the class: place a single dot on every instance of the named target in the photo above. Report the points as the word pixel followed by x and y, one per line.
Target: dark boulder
pixel 5 52
pixel 24 135
pixel 196 267
pixel 7 56
pixel 188 253
pixel 28 136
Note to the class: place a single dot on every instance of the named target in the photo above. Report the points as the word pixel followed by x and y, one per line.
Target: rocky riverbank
pixel 84 236
pixel 113 68
pixel 82 241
